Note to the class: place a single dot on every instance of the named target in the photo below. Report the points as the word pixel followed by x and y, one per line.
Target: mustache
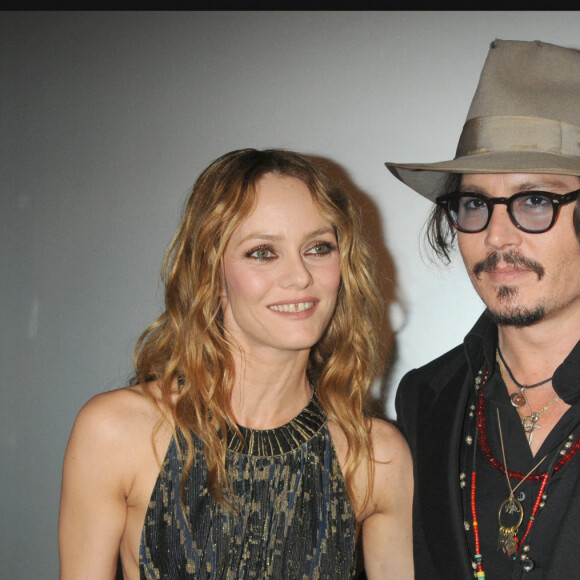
pixel 510 257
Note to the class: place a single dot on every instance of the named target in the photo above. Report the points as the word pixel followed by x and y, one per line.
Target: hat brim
pixel 429 179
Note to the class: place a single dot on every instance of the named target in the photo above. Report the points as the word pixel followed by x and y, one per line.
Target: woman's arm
pixel 387 536
pixel 96 476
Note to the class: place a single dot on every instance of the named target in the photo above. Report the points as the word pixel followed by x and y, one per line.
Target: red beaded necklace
pixel 482 439
pixel 481 435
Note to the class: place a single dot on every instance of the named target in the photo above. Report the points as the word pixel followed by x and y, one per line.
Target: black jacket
pixel 431 404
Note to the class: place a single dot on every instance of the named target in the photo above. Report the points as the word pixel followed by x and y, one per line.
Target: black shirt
pixel 491 484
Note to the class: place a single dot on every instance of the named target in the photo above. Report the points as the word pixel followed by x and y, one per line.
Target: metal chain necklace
pixel 519 399
pixel 530 422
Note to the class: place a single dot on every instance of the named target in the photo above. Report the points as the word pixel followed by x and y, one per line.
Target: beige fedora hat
pixel 524 118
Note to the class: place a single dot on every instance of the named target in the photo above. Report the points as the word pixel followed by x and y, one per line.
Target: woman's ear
pixel 223 294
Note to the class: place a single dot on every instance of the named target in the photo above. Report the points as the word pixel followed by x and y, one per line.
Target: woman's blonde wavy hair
pixel 188 341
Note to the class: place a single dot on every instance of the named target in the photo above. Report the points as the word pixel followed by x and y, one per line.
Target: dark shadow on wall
pixel 372 226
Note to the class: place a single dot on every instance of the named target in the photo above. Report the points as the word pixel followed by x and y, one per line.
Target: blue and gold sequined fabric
pixel 295 521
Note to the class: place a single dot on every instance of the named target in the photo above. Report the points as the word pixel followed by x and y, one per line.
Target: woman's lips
pixel 293 307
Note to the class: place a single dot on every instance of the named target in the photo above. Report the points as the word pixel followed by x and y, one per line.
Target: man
pixel 494 424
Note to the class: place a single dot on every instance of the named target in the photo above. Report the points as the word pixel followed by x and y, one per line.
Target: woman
pixel 244 450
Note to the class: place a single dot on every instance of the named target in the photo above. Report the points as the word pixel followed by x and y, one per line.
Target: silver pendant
pixel 530 423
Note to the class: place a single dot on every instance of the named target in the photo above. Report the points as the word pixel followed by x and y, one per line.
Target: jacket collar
pixel 480 344
pixel 566 379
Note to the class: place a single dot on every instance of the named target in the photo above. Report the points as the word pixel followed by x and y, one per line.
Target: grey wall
pixel 107 119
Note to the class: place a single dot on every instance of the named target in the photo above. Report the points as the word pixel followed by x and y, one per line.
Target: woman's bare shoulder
pixel 119 424
pixel 110 467
pixel 386 520
pixel 387 442
pixel 118 412
pixel 392 468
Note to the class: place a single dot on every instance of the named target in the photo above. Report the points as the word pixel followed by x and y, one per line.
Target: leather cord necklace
pixel 518 399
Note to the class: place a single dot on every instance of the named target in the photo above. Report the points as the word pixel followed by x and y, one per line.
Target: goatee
pixel 520 318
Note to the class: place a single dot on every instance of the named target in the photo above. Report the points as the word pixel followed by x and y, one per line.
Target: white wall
pixel 107 119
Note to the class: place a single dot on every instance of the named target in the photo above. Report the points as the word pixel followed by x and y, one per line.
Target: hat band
pixel 526 134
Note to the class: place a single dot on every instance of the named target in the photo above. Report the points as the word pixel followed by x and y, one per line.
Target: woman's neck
pixel 269 393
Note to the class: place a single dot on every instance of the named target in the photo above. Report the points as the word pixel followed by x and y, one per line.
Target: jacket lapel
pixel 565 558
pixel 439 445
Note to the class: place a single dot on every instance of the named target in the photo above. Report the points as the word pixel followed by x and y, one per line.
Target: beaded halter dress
pixel 294 517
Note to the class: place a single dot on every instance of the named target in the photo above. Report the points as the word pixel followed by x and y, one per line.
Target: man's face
pixel 523 278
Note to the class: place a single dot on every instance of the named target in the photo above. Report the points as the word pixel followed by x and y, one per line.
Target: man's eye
pixel 537 201
pixel 473 203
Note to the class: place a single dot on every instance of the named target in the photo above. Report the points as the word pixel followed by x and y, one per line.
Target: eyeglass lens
pixel 533 212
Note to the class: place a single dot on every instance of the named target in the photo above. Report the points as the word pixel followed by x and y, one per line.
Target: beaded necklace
pixel 570 448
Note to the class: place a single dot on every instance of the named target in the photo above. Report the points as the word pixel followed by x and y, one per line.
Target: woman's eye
pixel 261 253
pixel 322 249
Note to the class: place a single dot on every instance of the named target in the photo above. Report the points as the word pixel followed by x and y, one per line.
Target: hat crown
pixel 529 78
pixel 524 118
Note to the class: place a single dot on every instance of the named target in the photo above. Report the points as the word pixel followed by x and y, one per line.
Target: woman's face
pixel 281 271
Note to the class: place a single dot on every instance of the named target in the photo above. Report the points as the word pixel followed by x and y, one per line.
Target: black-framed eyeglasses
pixel 533 212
